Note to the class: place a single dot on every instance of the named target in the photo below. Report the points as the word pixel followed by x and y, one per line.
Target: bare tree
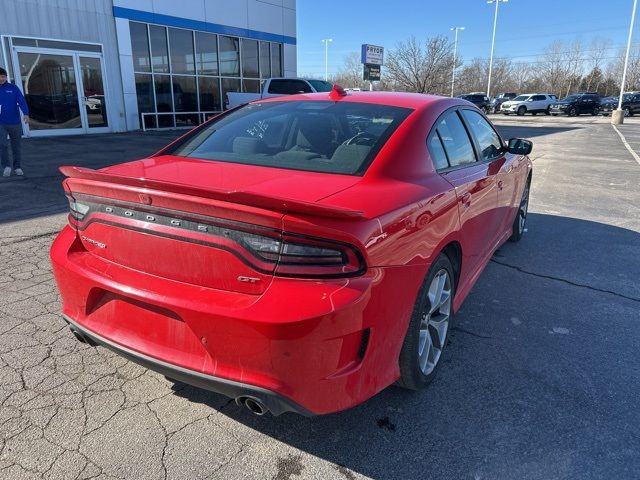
pixel 350 74
pixel 597 53
pixel 414 68
pixel 575 65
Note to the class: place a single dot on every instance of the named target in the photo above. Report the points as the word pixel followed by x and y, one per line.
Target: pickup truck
pixel 276 87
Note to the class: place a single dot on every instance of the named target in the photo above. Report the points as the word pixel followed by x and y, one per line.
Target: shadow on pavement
pixel 540 379
pixel 526 131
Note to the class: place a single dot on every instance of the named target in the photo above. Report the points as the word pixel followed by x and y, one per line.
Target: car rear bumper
pixel 307 346
pixel 276 404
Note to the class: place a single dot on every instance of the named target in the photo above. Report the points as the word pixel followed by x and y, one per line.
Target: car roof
pixel 392 99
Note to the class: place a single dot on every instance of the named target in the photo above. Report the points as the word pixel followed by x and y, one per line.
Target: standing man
pixel 11 99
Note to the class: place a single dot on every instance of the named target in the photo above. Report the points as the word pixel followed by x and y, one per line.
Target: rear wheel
pixel 429 327
pixel 572 112
pixel 626 111
pixel 521 111
pixel 548 110
pixel 596 111
pixel 517 230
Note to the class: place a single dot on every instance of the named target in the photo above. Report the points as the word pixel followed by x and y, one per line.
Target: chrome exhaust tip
pixel 253 405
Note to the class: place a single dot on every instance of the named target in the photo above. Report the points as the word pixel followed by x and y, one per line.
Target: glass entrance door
pixel 50 87
pixel 93 88
pixel 64 90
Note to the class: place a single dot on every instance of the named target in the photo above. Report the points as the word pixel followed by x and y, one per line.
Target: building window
pixel 140 47
pixel 265 60
pixel 159 50
pixel 250 58
pixel 276 60
pixel 207 53
pixel 229 56
pixel 181 45
pixel 178 71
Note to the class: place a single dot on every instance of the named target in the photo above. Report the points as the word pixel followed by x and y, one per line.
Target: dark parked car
pixel 630 104
pixel 480 100
pixel 500 99
pixel 577 104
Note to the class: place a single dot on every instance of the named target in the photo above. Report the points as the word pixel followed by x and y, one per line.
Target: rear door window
pixel 455 140
pixel 436 151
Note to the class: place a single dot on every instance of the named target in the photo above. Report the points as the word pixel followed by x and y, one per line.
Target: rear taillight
pixel 77 210
pixel 300 256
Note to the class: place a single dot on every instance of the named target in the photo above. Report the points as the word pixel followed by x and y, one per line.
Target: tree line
pixel 563 68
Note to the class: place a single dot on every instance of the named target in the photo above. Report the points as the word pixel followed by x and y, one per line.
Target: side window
pixel 297 86
pixel 488 140
pixel 537 98
pixel 455 140
pixel 278 86
pixel 436 151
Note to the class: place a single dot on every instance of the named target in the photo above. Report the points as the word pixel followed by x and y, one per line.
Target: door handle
pixel 466 200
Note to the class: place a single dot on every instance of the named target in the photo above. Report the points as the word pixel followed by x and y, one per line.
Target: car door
pixel 500 164
pixel 538 103
pixel 634 105
pixel 475 185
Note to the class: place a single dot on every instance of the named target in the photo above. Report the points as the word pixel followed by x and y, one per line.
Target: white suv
pixel 529 103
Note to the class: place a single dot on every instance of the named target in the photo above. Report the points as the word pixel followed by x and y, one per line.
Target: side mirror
pixel 519 146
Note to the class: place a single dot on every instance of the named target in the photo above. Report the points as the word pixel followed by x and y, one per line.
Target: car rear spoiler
pixel 284 205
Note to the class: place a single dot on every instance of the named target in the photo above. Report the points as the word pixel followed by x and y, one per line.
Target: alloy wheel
pixel 435 322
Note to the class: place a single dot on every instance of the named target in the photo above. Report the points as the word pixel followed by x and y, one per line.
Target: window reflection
pixel 182 58
pixel 207 53
pixel 229 56
pixel 159 52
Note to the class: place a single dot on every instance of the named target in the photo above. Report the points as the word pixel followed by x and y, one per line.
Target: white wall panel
pixel 290 61
pixel 144 5
pixel 220 12
pixel 289 22
pixel 265 17
pixel 192 9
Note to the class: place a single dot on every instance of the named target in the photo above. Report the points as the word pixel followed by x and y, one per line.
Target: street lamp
pixel 617 116
pixel 493 41
pixel 326 56
pixel 455 51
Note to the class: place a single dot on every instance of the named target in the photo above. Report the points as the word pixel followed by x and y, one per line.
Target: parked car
pixel 577 104
pixel 499 99
pixel 533 103
pixel 299 253
pixel 630 104
pixel 276 87
pixel 480 100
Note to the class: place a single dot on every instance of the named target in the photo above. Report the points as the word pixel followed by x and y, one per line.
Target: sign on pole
pixel 372 73
pixel 372 54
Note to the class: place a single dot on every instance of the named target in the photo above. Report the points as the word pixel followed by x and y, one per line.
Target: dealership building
pixel 117 65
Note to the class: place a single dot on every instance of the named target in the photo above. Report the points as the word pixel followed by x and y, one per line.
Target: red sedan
pixel 296 254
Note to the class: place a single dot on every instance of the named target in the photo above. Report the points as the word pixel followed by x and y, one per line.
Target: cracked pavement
pixel 540 379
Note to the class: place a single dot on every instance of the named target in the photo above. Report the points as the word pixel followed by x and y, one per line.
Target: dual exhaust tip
pixel 254 405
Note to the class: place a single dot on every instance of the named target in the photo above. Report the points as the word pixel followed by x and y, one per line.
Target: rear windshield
pixel 315 136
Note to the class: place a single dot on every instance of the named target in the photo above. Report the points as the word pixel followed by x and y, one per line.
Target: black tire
pixel 411 375
pixel 596 111
pixel 627 112
pixel 521 111
pixel 520 222
pixel 548 110
pixel 572 112
pixel 534 113
pixel 554 114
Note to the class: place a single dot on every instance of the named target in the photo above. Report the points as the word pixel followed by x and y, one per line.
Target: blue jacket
pixel 10 99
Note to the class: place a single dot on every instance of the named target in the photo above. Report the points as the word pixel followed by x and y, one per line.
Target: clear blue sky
pixel 525 27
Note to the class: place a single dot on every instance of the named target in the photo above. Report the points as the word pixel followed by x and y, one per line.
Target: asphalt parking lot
pixel 541 378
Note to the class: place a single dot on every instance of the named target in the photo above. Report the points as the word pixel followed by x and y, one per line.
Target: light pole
pixel 493 41
pixel 326 57
pixel 617 116
pixel 455 51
